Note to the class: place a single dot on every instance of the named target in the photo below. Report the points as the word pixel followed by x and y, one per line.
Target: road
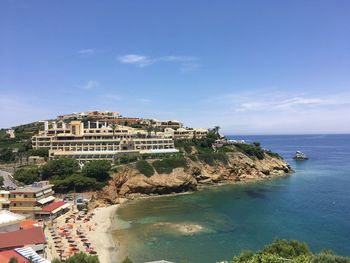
pixel 7 180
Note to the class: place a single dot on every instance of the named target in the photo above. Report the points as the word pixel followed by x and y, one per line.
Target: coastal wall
pixel 128 182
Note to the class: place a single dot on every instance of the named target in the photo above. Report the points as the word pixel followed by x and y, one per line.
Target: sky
pixel 250 67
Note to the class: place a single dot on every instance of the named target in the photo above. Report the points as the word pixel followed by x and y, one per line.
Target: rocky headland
pixel 129 182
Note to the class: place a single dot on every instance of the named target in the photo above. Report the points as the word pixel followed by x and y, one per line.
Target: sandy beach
pixel 100 236
pixel 94 234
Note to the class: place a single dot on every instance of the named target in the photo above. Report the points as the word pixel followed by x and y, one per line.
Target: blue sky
pixel 251 67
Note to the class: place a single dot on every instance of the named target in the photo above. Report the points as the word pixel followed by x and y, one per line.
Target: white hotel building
pixel 93 140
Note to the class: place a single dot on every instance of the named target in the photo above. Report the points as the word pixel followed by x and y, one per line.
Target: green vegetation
pixel 27 175
pixel 66 175
pixel 127 159
pixel 6 155
pixel 252 150
pixel 127 260
pixel 281 251
pixel 77 182
pixel 60 168
pixel 273 154
pixel 42 152
pixel 145 168
pixel 79 258
pixel 211 158
pixel 97 169
pixel 167 165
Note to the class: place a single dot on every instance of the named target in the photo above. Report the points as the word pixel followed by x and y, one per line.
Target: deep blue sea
pixel 312 205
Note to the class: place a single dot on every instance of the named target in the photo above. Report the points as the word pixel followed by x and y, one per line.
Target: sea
pixel 214 224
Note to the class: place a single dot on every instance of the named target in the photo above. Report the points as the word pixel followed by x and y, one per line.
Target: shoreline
pixel 204 186
pixel 97 231
pixel 101 236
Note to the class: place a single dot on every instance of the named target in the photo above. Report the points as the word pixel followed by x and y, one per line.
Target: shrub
pixel 273 154
pixel 80 257
pixel 98 169
pixel 6 155
pixel 281 251
pixel 252 150
pixel 60 168
pixel 127 159
pixel 27 175
pixel 167 165
pixel 145 168
pixel 210 158
pixel 127 260
pixel 75 182
pixel 193 158
pixel 42 152
pixel 225 149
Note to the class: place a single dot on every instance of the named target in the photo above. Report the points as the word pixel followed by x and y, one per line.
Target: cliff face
pixel 129 182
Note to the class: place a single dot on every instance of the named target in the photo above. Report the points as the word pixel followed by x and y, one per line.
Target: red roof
pixel 22 237
pixel 28 223
pixel 5 256
pixel 49 208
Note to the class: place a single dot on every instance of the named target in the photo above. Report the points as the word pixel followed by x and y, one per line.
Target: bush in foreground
pixel 288 251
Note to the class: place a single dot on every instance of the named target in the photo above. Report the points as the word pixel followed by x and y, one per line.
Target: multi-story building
pixel 31 199
pixel 4 200
pixel 89 140
pixel 161 125
pixel 185 134
pixel 90 115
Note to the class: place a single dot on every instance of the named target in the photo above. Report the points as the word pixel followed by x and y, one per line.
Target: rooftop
pixel 22 237
pixel 7 217
pixel 53 206
pixel 5 256
pixel 34 188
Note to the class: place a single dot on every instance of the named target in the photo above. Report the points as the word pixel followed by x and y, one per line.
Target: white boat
pixel 300 156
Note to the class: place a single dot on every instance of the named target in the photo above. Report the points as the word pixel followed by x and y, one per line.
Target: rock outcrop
pixel 129 182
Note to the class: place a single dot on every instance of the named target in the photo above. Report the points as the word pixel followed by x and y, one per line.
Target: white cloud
pixel 91 84
pixel 86 52
pixel 283 104
pixel 135 59
pixel 186 62
pixel 277 112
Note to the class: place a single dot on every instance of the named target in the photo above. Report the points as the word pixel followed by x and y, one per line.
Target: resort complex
pixel 105 135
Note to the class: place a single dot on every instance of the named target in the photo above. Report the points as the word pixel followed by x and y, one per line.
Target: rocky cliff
pixel 129 182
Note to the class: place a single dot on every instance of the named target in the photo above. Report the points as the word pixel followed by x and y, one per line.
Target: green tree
pixel 6 155
pixel 60 168
pixel 113 126
pixel 76 182
pixel 79 258
pixel 97 169
pixel 127 260
pixel 27 175
pixel 42 152
pixel 13 260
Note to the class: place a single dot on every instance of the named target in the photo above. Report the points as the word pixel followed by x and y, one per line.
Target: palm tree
pixel 113 126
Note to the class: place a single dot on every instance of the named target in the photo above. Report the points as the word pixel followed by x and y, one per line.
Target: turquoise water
pixel 312 205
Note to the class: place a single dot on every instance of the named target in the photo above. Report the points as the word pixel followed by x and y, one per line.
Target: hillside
pixel 189 173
